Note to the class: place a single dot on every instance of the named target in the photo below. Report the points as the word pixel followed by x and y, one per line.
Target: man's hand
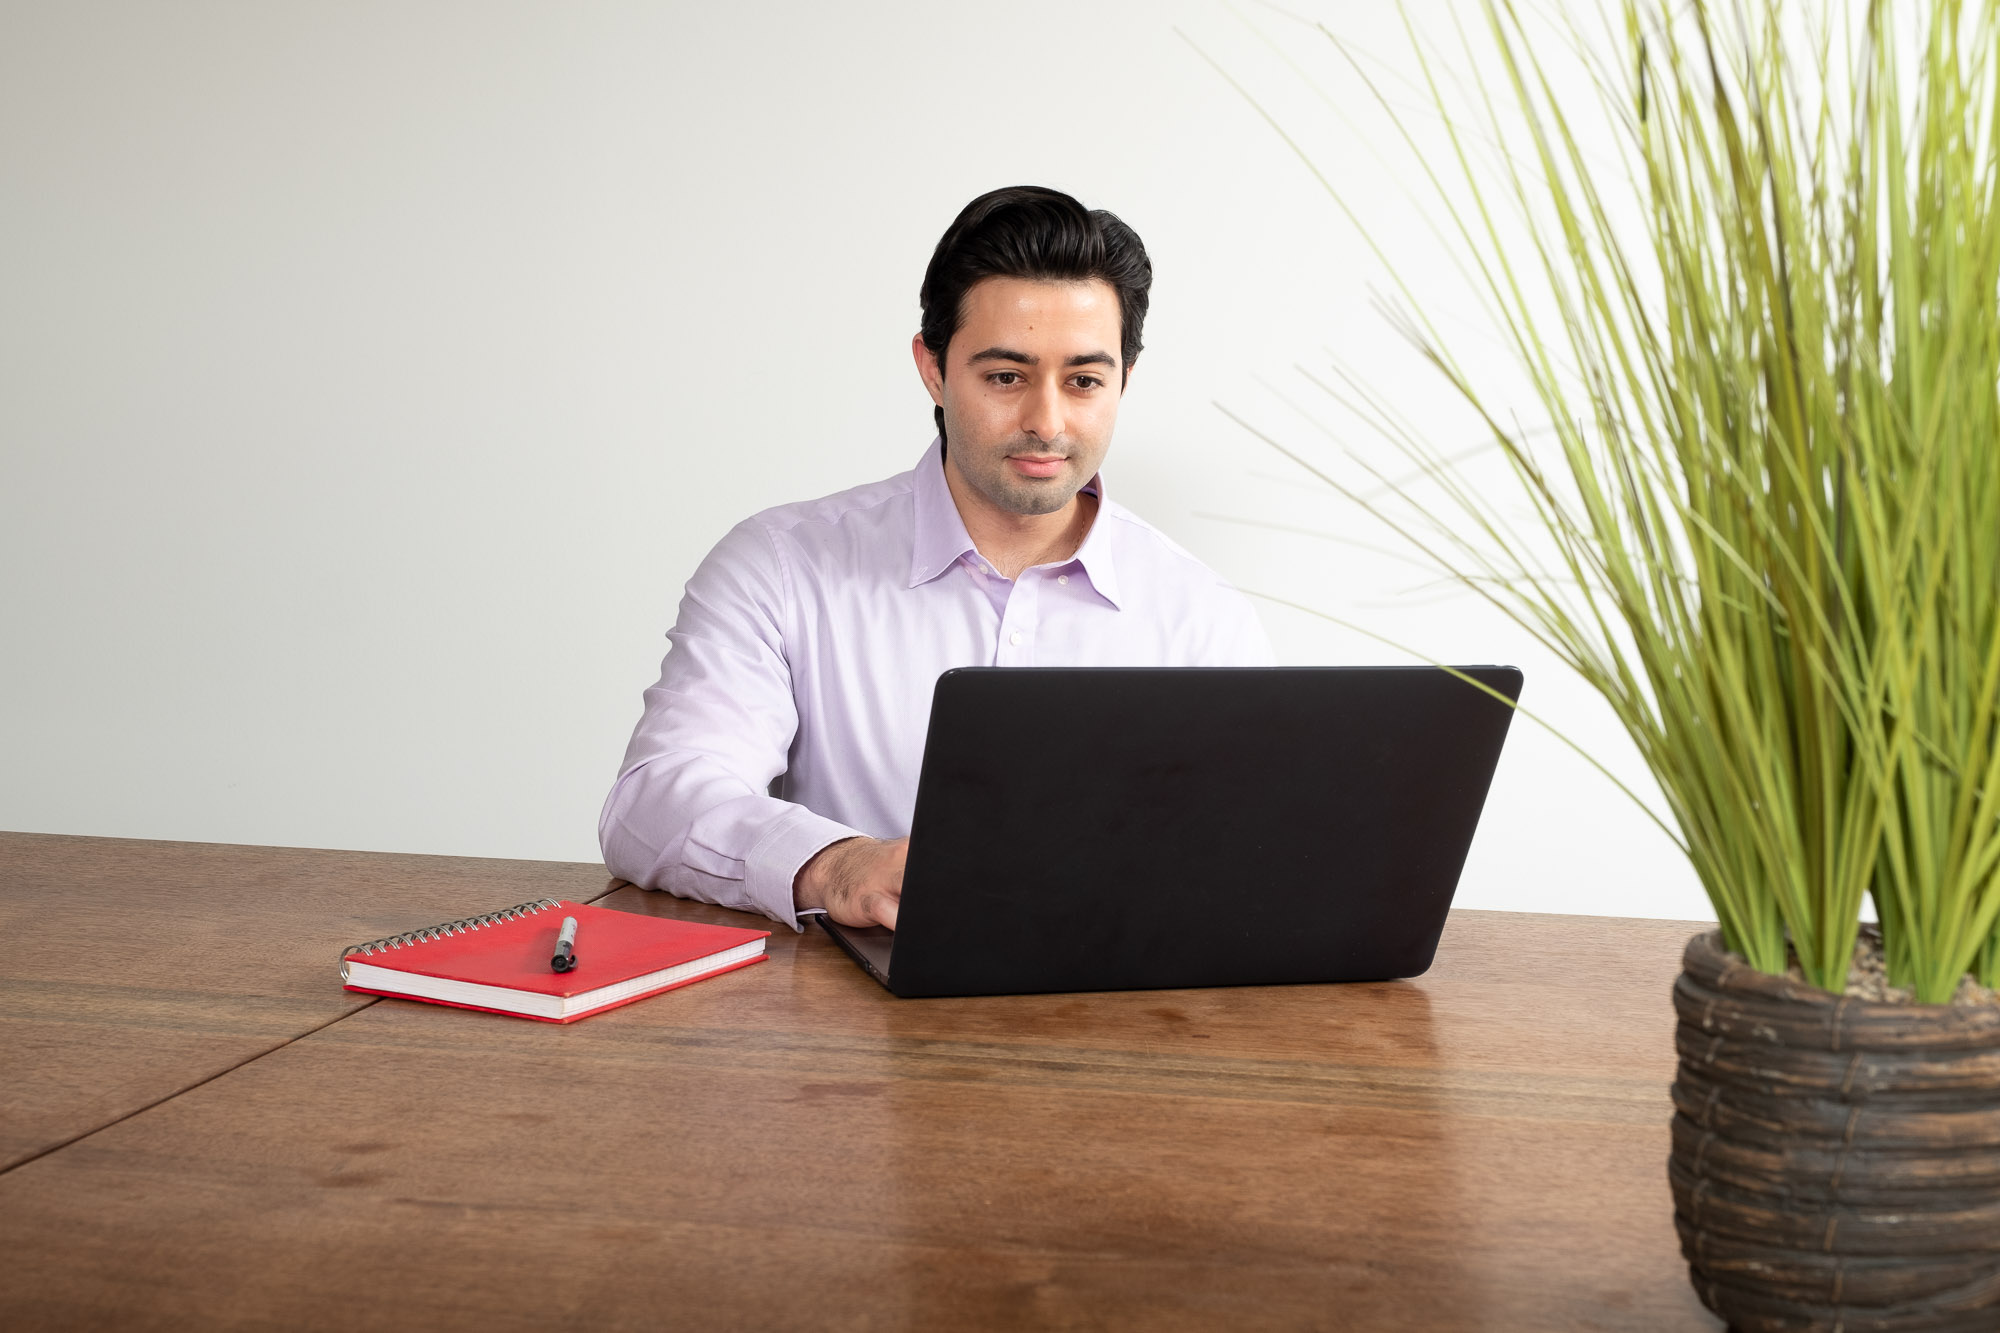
pixel 859 881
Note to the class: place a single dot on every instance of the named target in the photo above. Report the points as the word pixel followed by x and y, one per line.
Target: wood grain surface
pixel 133 970
pixel 789 1146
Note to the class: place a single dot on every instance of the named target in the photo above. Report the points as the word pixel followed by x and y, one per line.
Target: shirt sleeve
pixel 690 811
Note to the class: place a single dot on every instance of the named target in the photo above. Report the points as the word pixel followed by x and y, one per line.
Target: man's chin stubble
pixel 1030 503
pixel 1014 495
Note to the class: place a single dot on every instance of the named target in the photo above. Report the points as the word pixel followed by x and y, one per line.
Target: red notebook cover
pixel 500 961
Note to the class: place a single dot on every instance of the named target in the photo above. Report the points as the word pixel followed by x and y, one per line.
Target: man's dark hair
pixel 1026 231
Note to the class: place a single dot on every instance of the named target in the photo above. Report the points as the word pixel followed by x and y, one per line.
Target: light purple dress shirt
pixel 808 644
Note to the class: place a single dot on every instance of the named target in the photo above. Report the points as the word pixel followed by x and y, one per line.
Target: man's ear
pixel 1126 382
pixel 928 368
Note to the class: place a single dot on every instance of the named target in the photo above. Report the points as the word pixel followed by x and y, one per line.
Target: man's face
pixel 1030 389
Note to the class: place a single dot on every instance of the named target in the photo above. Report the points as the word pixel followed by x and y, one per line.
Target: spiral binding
pixel 458 927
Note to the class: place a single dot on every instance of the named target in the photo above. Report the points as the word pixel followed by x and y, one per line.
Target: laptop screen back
pixel 1115 828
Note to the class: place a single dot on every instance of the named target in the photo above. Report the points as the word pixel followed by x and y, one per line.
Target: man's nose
pixel 1042 415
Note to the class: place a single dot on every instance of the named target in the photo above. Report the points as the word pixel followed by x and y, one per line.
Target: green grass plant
pixel 1768 508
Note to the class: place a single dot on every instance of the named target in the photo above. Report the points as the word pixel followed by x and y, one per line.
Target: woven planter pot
pixel 1836 1162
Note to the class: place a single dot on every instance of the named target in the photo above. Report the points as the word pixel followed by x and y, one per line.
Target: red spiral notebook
pixel 499 961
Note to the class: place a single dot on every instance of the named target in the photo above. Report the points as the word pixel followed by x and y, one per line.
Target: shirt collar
pixel 1095 553
pixel 940 538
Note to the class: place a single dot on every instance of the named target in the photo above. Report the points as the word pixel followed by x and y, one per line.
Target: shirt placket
pixel 1016 646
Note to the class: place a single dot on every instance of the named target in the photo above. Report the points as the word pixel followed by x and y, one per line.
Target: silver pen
pixel 565 958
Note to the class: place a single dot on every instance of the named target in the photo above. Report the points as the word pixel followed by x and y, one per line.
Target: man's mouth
pixel 1037 465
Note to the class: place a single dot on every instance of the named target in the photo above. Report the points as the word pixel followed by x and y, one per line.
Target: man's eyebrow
pixel 1029 359
pixel 1004 354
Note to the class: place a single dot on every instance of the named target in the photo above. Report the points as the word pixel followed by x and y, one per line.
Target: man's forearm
pixel 809 886
pixel 857 881
pixel 670 825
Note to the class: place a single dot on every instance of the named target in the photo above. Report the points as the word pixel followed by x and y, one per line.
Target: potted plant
pixel 1769 537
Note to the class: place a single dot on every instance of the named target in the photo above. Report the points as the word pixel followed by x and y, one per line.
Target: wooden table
pixel 229 1140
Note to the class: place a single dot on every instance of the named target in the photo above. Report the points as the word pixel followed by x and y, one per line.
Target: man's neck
pixel 1014 542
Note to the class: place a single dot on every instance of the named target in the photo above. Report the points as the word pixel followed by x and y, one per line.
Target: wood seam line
pixel 369 1003
pixel 161 1101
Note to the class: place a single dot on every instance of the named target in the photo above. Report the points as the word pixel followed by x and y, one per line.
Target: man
pixel 809 640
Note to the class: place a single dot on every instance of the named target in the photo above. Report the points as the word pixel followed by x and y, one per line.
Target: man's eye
pixel 1087 381
pixel 1003 377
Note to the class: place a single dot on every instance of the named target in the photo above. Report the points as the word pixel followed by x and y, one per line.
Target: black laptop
pixel 1112 828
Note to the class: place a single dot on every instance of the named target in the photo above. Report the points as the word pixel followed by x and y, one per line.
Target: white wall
pixel 373 375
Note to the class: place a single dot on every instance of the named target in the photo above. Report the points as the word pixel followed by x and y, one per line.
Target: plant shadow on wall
pixel 1767 354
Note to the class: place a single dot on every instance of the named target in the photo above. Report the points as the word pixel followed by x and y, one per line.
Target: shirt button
pixel 1015 638
pixel 1062 578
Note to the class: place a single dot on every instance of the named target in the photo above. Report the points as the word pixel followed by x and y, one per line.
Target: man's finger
pixel 884 906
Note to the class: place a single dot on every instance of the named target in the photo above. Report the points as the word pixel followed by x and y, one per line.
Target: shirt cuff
pixel 774 861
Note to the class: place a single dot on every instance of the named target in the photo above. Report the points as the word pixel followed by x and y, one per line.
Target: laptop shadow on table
pixel 1278 1148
